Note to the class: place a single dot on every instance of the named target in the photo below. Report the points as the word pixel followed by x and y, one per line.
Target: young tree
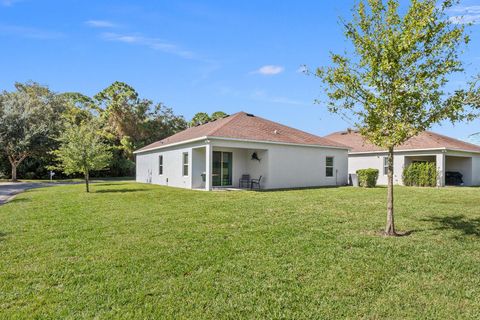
pixel 29 120
pixel 393 85
pixel 82 150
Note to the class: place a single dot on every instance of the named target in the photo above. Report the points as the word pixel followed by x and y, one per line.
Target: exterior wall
pixel 466 163
pixel 375 161
pixel 357 162
pixel 243 163
pixel 476 171
pixel 198 167
pixel 281 166
pixel 148 172
pixel 458 161
pixel 305 167
pixel 286 166
pixel 462 165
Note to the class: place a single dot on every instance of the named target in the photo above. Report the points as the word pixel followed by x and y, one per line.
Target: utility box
pixel 353 179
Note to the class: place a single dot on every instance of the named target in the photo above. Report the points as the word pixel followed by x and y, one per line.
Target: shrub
pixel 29 175
pixel 420 174
pixel 367 177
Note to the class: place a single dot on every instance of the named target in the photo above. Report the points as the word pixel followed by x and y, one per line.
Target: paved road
pixel 9 189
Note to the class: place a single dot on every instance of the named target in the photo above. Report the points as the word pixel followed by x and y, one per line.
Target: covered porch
pixel 449 165
pixel 215 167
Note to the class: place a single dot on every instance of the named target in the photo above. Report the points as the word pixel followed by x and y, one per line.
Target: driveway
pixel 9 189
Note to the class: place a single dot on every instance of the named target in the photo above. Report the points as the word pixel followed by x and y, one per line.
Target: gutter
pixel 240 140
pixel 412 150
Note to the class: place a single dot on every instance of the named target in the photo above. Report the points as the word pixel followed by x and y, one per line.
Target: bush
pixel 29 175
pixel 420 174
pixel 367 177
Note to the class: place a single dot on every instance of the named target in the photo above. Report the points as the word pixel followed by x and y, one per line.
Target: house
pixel 217 154
pixel 450 155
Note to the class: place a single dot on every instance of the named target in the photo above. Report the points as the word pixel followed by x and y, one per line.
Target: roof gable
pixel 245 126
pixel 424 140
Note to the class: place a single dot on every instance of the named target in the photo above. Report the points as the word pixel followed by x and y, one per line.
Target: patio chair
pixel 244 181
pixel 255 183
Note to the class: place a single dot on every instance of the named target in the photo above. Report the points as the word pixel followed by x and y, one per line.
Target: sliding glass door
pixel 222 168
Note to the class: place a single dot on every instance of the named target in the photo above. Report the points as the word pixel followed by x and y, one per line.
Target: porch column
pixel 441 169
pixel 208 167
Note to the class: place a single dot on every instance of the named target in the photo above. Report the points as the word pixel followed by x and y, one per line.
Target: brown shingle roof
pixel 425 140
pixel 245 126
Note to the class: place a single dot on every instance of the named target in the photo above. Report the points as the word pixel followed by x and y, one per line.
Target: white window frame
pixel 160 165
pixel 185 166
pixel 385 166
pixel 332 166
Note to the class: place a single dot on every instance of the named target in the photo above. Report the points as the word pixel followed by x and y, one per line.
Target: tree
pixel 28 122
pixel 199 118
pixel 78 108
pixel 218 115
pixel 135 121
pixel 82 150
pixel 394 84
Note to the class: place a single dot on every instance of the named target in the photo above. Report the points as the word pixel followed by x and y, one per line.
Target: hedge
pixel 420 174
pixel 367 177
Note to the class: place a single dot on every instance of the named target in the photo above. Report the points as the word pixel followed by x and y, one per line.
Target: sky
pixel 196 55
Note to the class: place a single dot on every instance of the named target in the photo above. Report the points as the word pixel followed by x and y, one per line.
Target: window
pixel 185 163
pixel 385 166
pixel 160 165
pixel 329 166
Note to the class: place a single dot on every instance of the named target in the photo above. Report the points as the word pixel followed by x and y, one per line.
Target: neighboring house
pixel 218 153
pixel 450 155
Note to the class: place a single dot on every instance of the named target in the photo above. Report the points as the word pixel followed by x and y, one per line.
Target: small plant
pixel 420 174
pixel 367 178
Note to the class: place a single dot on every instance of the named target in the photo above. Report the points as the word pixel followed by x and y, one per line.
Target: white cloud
pixel 8 3
pixel 27 32
pixel 466 9
pixel 270 70
pixel 465 14
pixel 152 43
pixel 465 19
pixel 100 24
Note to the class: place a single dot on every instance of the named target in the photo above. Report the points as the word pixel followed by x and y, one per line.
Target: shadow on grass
pixel 109 184
pixel 292 189
pixel 17 200
pixel 119 190
pixel 3 235
pixel 469 227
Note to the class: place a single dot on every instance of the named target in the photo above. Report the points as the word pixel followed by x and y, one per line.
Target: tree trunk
pixel 14 172
pixel 15 162
pixel 390 228
pixel 87 187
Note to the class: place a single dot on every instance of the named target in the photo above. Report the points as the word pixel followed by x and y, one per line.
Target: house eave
pixel 412 150
pixel 170 145
pixel 239 140
pixel 277 143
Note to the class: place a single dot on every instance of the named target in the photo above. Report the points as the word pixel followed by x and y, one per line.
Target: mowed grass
pixel 131 250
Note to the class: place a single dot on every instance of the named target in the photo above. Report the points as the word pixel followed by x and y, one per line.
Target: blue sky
pixel 193 55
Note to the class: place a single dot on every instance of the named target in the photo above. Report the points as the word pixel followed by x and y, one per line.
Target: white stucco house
pixel 450 155
pixel 217 155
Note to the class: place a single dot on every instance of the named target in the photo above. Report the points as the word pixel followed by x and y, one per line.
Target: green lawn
pixel 141 251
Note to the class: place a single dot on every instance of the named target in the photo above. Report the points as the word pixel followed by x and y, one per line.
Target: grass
pixel 141 251
pixel 71 180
